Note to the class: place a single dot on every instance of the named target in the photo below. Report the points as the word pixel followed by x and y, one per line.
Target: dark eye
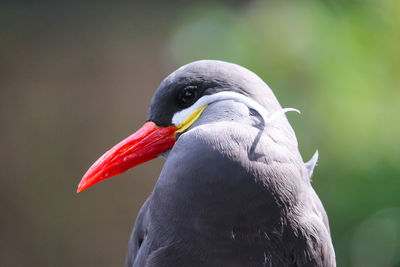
pixel 188 96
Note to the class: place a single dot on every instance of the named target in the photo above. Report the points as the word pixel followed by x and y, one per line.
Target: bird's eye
pixel 188 96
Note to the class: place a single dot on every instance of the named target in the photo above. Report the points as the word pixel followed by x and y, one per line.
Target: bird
pixel 234 189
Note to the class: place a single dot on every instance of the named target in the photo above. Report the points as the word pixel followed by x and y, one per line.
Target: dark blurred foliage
pixel 75 78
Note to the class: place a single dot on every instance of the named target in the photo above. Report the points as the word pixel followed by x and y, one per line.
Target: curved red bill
pixel 144 145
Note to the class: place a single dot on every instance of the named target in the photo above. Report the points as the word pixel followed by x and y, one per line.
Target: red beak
pixel 144 145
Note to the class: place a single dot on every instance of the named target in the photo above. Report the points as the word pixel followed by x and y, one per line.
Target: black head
pixel 186 85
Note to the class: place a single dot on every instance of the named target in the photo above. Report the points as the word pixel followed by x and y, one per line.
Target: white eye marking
pixel 182 115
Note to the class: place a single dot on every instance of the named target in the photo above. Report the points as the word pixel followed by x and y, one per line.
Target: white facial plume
pixel 182 115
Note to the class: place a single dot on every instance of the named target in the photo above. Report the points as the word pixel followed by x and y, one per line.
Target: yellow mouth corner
pixel 190 119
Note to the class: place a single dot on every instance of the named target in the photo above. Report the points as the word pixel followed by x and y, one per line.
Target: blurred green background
pixel 76 78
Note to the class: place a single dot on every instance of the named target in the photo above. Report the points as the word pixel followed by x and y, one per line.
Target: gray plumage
pixel 233 191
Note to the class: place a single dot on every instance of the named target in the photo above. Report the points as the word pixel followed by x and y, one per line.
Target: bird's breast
pixel 215 178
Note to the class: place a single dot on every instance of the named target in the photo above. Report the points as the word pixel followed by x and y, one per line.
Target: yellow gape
pixel 190 119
